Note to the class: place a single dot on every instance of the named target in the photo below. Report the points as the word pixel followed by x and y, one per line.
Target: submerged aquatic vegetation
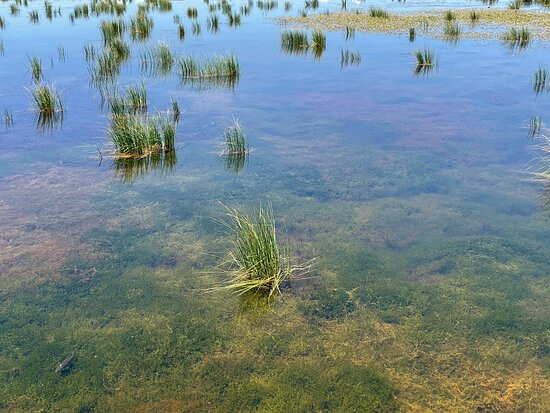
pixel 425 61
pixel 541 81
pixel 141 135
pixel 221 70
pixel 35 68
pixel 519 38
pixel 47 104
pixel 348 58
pixel 256 261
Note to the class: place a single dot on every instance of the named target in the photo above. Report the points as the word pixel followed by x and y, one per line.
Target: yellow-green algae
pixel 490 23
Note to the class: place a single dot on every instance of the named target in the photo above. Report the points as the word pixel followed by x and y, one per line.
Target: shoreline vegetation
pixel 487 23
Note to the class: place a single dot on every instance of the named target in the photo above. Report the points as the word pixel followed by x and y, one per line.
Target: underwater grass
pixel 519 38
pixel 141 135
pixel 35 68
pixel 256 262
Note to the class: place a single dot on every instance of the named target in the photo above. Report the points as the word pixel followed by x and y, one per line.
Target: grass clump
pixel 519 38
pixel 223 70
pixel 256 263
pixel 235 142
pixel 350 33
pixel 35 68
pixel 535 127
pixel 140 135
pixel 157 59
pixel 412 34
pixel 192 12
pixel 425 61
pixel 449 16
pixel 48 105
pixel 294 41
pixel 134 102
pixel 141 26
pixel 318 43
pixel 234 20
pixel 474 16
pixel 378 12
pixel 541 81
pixel 33 17
pixel 451 31
pixel 213 23
pixel 8 117
pixel 515 4
pixel 111 30
pixel 181 31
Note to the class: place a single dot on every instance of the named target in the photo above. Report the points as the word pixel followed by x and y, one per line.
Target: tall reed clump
pixel 474 16
pixel 234 142
pixel 449 16
pixel 517 37
pixel 141 26
pixel 318 43
pixel 543 172
pixel 111 30
pixel 33 17
pixel 451 31
pixel 141 135
pixel 535 127
pixel 294 41
pixel 425 61
pixel 378 12
pixel 256 262
pixel 47 104
pixel 135 101
pixel 157 59
pixel 35 68
pixel 181 31
pixel 213 23
pixel 222 70
pixel 192 12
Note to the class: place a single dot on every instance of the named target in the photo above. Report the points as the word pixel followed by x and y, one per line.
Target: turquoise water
pixel 430 290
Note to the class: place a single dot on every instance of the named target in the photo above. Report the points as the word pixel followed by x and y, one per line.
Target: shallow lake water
pixel 430 286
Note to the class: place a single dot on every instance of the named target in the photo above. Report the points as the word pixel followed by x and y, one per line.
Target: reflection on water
pixel 128 169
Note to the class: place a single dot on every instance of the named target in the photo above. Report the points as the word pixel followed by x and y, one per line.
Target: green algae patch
pixel 487 23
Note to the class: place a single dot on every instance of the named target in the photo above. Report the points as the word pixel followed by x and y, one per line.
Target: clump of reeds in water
pixel 542 174
pixel 234 147
pixel 294 41
pixel 288 5
pixel 192 12
pixel 33 17
pixel 256 262
pixel 449 16
pixel 196 28
pixel 218 70
pixel 47 104
pixel 8 117
pixel 425 61
pixel 157 59
pixel 535 127
pixel 412 34
pixel 350 33
pixel 14 11
pixel 2 23
pixel 176 112
pixel 451 31
pixel 141 135
pixel 515 4
pixel 89 52
pixel 519 38
pixel 348 58
pixel 135 101
pixel 141 26
pixel 474 16
pixel 541 81
pixel 234 20
pixel 378 12
pixel 181 31
pixel 35 68
pixel 111 30
pixel 213 23
pixel 318 43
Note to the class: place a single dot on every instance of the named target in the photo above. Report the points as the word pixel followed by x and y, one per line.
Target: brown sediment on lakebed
pixel 490 23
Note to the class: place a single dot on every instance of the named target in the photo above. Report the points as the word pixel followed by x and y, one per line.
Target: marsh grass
pixel 348 58
pixel 48 10
pixel 517 38
pixel 515 4
pixel 541 81
pixel 452 31
pixel 192 12
pixel 196 28
pixel 256 262
pixel 141 26
pixel 234 20
pixel 89 53
pixel 412 34
pixel 2 47
pixel 181 32
pixel 350 33
pixel 294 41
pixel 213 23
pixel 542 173
pixel 35 68
pixel 14 11
pixel 235 142
pixel 318 43
pixel 61 54
pixel 33 17
pixel 2 23
pixel 118 49
pixel 218 70
pixel 157 59
pixel 425 61
pixel 48 105
pixel 449 16
pixel 140 135
pixel 176 112
pixel 111 30
pixel 535 127
pixel 378 12
pixel 474 16
pixel 288 6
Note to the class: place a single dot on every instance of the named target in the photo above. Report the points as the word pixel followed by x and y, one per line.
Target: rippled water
pixel 430 290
